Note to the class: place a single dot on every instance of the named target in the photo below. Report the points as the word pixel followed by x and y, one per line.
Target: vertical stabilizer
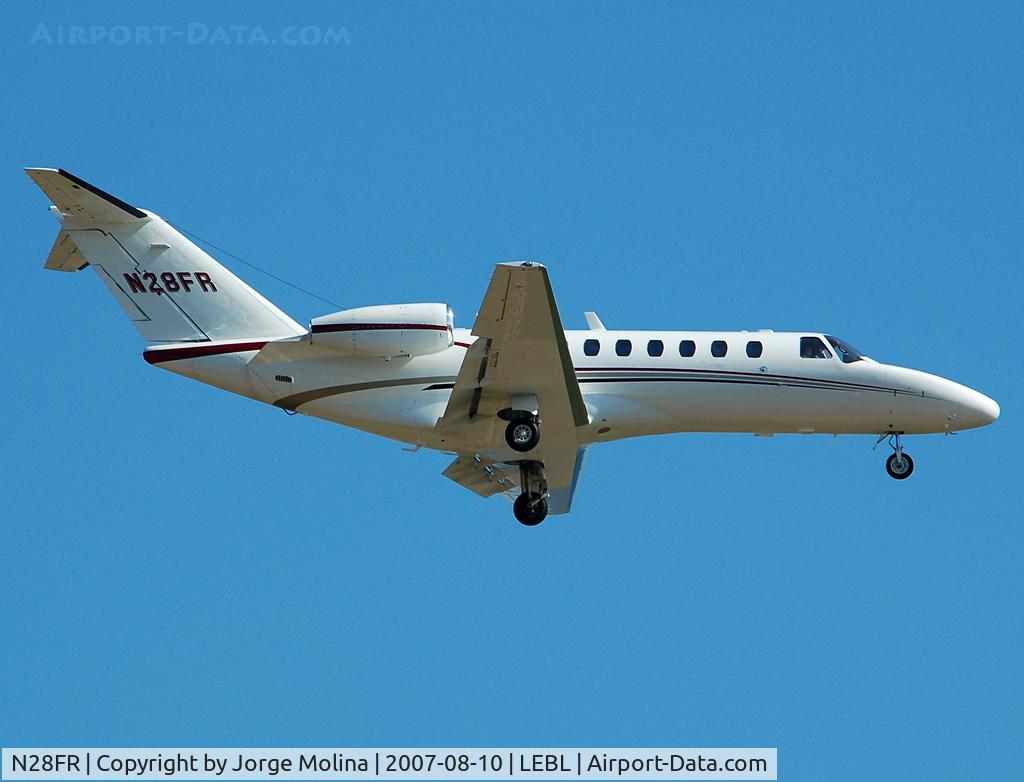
pixel 168 287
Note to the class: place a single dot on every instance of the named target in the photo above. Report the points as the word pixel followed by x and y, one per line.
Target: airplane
pixel 517 400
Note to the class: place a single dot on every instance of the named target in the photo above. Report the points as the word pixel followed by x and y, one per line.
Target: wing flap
pixel 481 476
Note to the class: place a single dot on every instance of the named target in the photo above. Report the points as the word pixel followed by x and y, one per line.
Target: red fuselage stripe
pixel 160 355
pixel 325 328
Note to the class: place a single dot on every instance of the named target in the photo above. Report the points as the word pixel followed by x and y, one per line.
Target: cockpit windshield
pixel 846 352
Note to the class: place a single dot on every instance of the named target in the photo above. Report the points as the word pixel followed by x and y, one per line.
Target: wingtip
pixel 34 172
pixel 523 264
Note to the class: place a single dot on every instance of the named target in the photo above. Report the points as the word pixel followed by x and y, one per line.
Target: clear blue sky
pixel 179 566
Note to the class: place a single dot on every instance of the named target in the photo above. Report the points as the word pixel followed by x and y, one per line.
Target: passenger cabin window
pixel 754 349
pixel 623 347
pixel 591 347
pixel 687 348
pixel 813 347
pixel 655 347
pixel 719 348
pixel 846 352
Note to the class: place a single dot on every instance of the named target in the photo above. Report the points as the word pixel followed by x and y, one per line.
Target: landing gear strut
pixel 899 465
pixel 531 507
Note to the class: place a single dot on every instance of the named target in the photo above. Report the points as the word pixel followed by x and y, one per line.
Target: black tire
pixel 530 509
pixel 899 471
pixel 522 434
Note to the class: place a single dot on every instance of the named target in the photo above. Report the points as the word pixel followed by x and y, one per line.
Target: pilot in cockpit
pixel 812 347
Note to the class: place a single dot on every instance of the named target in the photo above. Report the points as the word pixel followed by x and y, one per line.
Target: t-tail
pixel 171 290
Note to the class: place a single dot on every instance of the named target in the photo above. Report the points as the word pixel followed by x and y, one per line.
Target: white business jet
pixel 517 400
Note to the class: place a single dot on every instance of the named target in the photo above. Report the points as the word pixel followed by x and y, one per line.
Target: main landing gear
pixel 531 507
pixel 522 435
pixel 899 465
pixel 523 431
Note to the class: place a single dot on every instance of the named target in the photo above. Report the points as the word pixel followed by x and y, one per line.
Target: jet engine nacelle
pixel 386 330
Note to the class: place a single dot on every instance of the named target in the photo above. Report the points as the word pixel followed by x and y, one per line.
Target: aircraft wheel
pixel 530 508
pixel 522 434
pixel 900 468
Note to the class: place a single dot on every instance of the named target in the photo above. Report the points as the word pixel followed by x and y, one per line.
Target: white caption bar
pixel 334 763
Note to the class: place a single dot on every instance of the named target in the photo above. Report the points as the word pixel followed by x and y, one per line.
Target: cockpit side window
pixel 846 352
pixel 813 347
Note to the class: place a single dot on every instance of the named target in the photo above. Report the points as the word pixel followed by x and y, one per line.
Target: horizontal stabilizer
pixel 79 200
pixel 65 255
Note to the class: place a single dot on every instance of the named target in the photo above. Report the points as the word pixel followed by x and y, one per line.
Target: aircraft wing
pixel 520 360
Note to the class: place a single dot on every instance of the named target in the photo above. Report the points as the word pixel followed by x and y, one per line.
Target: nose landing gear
pixel 899 465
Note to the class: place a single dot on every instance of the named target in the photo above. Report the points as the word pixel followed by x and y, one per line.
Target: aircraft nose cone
pixel 978 409
pixel 988 409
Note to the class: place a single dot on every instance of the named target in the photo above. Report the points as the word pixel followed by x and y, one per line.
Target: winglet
pixel 593 321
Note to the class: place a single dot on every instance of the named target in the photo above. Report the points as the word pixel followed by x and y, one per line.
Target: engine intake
pixel 386 330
